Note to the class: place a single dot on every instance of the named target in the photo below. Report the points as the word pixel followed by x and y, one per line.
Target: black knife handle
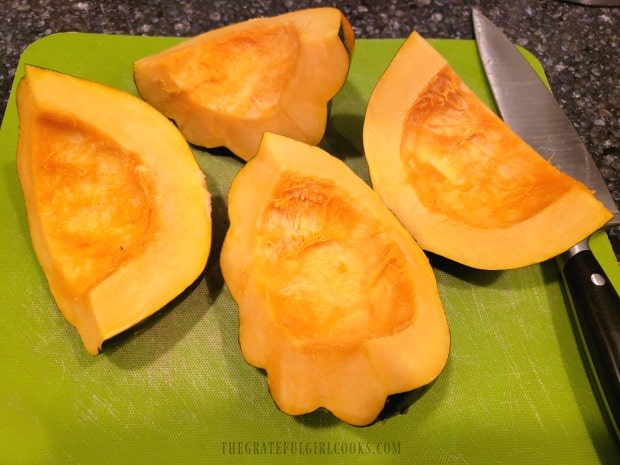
pixel 597 308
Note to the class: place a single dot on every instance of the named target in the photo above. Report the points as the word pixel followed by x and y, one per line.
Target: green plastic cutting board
pixel 176 390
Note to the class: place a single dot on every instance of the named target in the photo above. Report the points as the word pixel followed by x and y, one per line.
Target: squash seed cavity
pixel 93 199
pixel 243 73
pixel 461 165
pixel 326 288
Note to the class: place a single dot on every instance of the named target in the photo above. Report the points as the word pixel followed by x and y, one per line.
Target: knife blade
pixel 529 108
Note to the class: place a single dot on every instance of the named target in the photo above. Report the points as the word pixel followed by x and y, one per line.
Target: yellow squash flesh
pixel 227 86
pixel 118 208
pixel 336 301
pixel 464 184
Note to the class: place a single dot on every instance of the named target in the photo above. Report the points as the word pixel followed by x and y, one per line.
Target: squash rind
pixel 306 370
pixel 159 261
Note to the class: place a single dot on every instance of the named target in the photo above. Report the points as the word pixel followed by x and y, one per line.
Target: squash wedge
pixel 227 86
pixel 336 301
pixel 118 208
pixel 461 181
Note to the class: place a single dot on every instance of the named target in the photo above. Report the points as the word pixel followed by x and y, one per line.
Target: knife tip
pixel 477 15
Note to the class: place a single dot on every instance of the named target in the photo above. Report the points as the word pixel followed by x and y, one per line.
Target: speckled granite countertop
pixel 577 45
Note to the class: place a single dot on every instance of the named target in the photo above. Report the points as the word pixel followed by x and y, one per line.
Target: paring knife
pixel 529 108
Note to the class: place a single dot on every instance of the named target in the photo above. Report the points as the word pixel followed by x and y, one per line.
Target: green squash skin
pixel 398 404
pixel 395 404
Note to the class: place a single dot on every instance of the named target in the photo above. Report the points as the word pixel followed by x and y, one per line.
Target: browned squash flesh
pixel 336 301
pixel 329 289
pixel 77 168
pixel 118 208
pixel 461 181
pixel 240 73
pixel 227 86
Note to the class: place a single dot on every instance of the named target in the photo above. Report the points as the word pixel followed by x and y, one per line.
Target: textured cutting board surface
pixel 176 390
